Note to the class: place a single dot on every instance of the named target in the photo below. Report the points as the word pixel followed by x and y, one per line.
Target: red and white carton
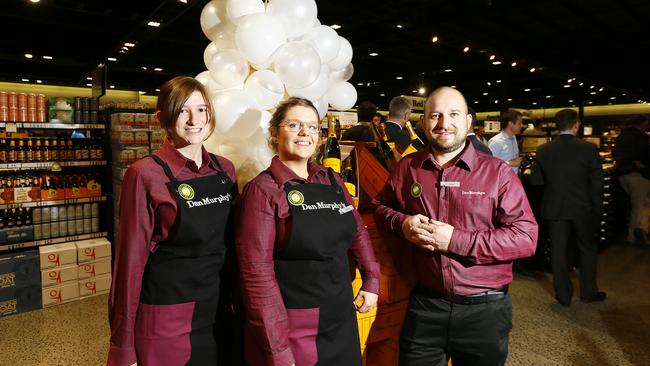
pixel 55 295
pixel 93 249
pixel 59 275
pixel 94 269
pixel 94 286
pixel 58 255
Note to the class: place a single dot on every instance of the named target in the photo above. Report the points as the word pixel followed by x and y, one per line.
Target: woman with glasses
pixel 295 227
pixel 174 226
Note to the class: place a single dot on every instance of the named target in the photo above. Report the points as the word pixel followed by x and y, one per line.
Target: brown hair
pixel 173 95
pixel 566 119
pixel 280 114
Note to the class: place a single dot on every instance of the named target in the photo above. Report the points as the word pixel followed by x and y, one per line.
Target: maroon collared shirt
pixel 482 198
pixel 147 216
pixel 263 226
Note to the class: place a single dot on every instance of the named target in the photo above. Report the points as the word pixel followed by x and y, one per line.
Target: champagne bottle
pixel 384 153
pixel 332 151
pixel 384 136
pixel 348 177
pixel 416 144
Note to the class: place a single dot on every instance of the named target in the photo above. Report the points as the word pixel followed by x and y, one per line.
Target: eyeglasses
pixel 294 125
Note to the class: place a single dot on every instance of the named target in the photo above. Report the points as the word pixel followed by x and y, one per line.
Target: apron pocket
pixel 162 334
pixel 303 329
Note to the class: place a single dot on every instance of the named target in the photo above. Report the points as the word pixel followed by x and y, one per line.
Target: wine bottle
pixel 348 177
pixel 384 153
pixel 416 144
pixel 332 150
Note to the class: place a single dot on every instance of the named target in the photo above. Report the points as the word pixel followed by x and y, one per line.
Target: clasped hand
pixel 427 233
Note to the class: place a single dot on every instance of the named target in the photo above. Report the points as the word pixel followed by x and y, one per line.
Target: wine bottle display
pixel 416 144
pixel 332 151
pixel 348 177
pixel 385 154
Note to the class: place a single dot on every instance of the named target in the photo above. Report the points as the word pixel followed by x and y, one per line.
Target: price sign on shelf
pixel 11 127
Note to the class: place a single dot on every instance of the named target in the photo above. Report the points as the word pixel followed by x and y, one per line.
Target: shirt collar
pixel 466 159
pixel 176 161
pixel 283 174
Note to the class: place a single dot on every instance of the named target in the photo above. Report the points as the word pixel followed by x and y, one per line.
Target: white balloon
pixel 325 41
pixel 213 16
pixel 342 95
pixel 321 106
pixel 342 75
pixel 236 9
pixel 297 16
pixel 229 106
pixel 314 90
pixel 265 121
pixel 297 64
pixel 228 68
pixel 209 83
pixel 266 87
pixel 343 57
pixel 258 36
pixel 221 41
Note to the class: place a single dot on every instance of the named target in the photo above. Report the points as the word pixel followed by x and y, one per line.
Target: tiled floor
pixel 616 332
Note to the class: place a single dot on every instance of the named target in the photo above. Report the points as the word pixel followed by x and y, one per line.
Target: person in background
pixel 536 129
pixel 572 175
pixel 467 218
pixel 504 144
pixel 399 111
pixel 174 229
pixel 361 132
pixel 378 119
pixel 479 130
pixel 632 155
pixel 471 136
pixel 295 226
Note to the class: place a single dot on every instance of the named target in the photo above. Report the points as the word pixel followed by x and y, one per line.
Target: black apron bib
pixel 185 269
pixel 314 275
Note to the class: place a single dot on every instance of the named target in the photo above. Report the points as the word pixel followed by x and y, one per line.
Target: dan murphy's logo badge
pixel 416 190
pixel 186 191
pixel 296 198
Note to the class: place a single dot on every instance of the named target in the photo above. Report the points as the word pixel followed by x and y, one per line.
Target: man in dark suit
pixel 361 132
pixel 399 111
pixel 471 136
pixel 571 172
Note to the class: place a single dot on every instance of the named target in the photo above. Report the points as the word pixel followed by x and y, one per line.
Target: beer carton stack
pixel 75 270
pixel 20 282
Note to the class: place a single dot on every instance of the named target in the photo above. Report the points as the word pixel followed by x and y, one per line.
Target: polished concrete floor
pixel 616 332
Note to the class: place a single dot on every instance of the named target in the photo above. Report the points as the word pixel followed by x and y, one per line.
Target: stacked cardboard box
pixel 20 282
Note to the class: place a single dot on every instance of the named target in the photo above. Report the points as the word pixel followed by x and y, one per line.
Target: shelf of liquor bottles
pixel 70 201
pixel 63 239
pixel 50 164
pixel 52 126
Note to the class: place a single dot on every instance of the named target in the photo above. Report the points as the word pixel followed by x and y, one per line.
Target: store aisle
pixel 611 333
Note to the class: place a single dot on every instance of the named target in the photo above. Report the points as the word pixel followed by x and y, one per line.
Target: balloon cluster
pixel 259 55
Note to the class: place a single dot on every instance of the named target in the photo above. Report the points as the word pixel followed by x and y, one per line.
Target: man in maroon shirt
pixel 467 218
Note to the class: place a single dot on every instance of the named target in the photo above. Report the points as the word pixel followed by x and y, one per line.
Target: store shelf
pixel 70 201
pixel 123 128
pixel 63 239
pixel 48 164
pixel 54 126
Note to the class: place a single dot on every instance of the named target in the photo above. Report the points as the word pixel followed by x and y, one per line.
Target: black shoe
pixel 566 304
pixel 597 297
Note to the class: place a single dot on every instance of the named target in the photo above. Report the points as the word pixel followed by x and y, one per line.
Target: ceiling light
pixel 591 87
pixel 122 51
pixel 612 98
pixel 489 83
pixel 590 102
pixel 548 97
pixel 400 26
pixel 25 80
pixel 624 94
pixel 570 80
pixel 112 87
pixel 34 1
pixel 581 84
pixel 399 78
pixel 143 67
pixel 476 102
pixel 499 81
pixel 466 49
pixel 453 86
pixel 485 93
pixel 157 89
pixel 532 69
pixel 414 91
pixel 601 89
pixel 509 99
pixel 422 91
pixel 534 103
pixel 157 69
pixel 373 54
pixel 39 81
pixel 142 92
pixel 89 84
pixel 567 85
pixel 368 84
pixel 111 59
pixel 125 48
pixel 434 39
pixel 496 101
pixel 593 93
pixel 335 26
pixel 513 64
pixel 570 100
pixel 153 24
pixel 48 57
pixel 28 55
pixel 360 84
pixel 496 63
pixel 129 44
pixel 88 78
pixel 183 1
pixel 527 89
pixel 492 57
pixel 448 70
pixel 382 95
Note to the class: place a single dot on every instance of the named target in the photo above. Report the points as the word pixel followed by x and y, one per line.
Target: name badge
pixel 345 209
pixel 449 184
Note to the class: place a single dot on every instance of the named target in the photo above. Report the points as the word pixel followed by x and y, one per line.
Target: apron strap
pixel 216 161
pixel 330 174
pixel 165 167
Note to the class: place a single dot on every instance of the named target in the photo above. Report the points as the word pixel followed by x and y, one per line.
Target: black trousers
pixel 435 330
pixel 584 232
